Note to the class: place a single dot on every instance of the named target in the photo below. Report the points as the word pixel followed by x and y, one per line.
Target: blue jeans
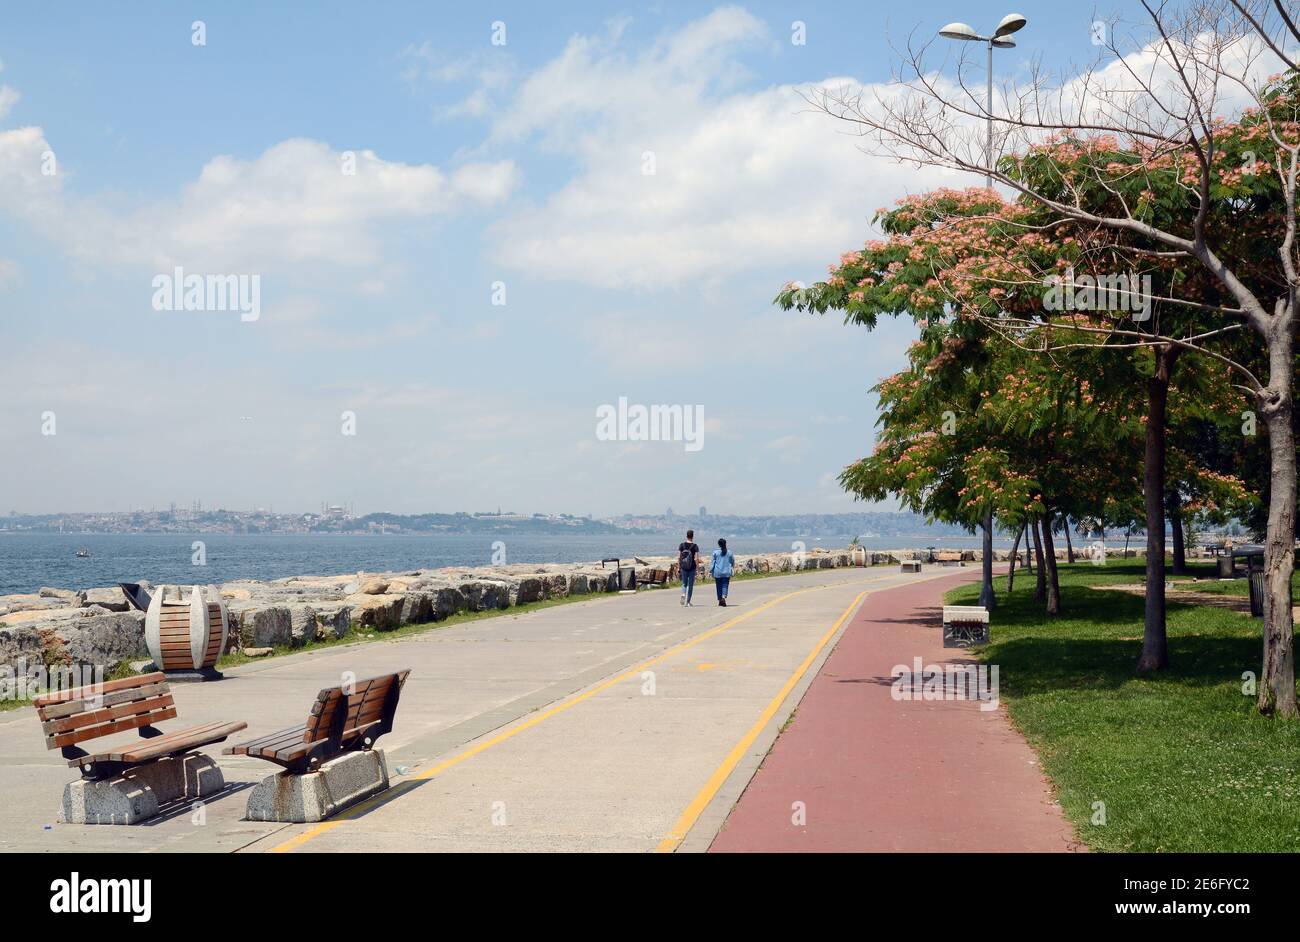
pixel 688 584
pixel 722 582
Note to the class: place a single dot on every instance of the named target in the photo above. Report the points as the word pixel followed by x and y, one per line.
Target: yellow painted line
pixel 705 795
pixel 297 841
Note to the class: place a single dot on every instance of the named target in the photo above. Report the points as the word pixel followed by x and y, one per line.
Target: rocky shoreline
pixel 97 627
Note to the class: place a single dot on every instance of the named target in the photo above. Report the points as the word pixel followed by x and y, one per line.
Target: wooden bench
pixel 964 625
pixel 948 558
pixel 652 577
pixel 74 716
pixel 340 721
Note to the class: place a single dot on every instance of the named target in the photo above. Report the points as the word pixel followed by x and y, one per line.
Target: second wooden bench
pixel 343 719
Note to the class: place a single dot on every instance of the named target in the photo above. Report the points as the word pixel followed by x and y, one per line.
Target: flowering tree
pixel 975 429
pixel 977 426
pixel 1207 182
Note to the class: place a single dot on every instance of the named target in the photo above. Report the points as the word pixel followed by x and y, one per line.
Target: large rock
pixel 43 617
pixel 448 600
pixel 264 626
pixel 380 612
pixel 375 585
pixel 333 622
pixel 417 608
pixel 22 649
pixel 530 589
pixel 578 584
pixel 29 602
pixel 62 595
pixel 481 595
pixel 557 586
pixel 109 597
pixel 104 640
pixel 302 624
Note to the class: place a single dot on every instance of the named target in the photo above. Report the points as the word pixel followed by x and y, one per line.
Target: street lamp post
pixel 1010 24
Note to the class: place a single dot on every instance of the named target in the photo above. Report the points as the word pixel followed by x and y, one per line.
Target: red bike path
pixel 878 774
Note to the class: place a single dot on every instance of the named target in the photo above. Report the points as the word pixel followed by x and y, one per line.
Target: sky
pixel 471 229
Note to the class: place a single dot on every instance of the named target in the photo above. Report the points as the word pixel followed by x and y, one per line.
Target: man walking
pixel 688 560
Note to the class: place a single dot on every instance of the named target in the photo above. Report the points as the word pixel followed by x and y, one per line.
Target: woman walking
pixel 721 568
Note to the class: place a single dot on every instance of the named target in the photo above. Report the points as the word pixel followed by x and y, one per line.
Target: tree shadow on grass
pixel 1031 665
pixel 1096 640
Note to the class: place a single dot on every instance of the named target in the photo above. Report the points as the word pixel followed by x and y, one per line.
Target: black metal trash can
pixel 1257 592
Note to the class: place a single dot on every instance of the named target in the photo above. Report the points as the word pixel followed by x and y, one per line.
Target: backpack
pixel 686 558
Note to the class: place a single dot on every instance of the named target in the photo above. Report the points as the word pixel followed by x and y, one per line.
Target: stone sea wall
pixel 98 627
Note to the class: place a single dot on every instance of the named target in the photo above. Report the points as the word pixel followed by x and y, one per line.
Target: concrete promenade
pixel 624 723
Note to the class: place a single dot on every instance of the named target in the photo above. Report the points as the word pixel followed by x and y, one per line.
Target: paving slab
pixel 611 774
pixel 614 767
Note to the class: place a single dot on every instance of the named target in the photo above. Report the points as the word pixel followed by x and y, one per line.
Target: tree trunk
pixel 987 598
pixel 1069 544
pixel 1277 686
pixel 1049 566
pixel 1176 533
pixel 1015 552
pixel 1040 587
pixel 1155 644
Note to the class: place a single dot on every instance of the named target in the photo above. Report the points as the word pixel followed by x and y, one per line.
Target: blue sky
pixel 521 164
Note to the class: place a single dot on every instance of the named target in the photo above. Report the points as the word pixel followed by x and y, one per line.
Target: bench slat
pixel 93 690
pixel 73 707
pixel 252 747
pixel 182 741
pixel 287 739
pixel 105 729
pixel 94 717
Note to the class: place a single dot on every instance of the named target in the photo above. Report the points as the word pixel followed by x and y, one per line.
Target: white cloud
pixel 8 98
pixel 1118 91
pixel 292 204
pixel 789 447
pixel 743 181
pixel 489 71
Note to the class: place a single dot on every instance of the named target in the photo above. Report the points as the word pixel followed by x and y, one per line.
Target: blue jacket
pixel 722 565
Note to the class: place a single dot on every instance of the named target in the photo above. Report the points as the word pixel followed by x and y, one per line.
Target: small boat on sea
pixel 83 553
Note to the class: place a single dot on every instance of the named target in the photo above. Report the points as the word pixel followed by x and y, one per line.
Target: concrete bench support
pixel 965 625
pixel 140 792
pixel 316 796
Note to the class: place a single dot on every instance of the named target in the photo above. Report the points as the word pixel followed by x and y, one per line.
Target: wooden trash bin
pixel 185 637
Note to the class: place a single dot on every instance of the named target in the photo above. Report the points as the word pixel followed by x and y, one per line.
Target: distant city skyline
pixel 863 523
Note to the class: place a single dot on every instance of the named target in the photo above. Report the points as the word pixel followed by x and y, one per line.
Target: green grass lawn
pixel 1183 762
pixel 1209 582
